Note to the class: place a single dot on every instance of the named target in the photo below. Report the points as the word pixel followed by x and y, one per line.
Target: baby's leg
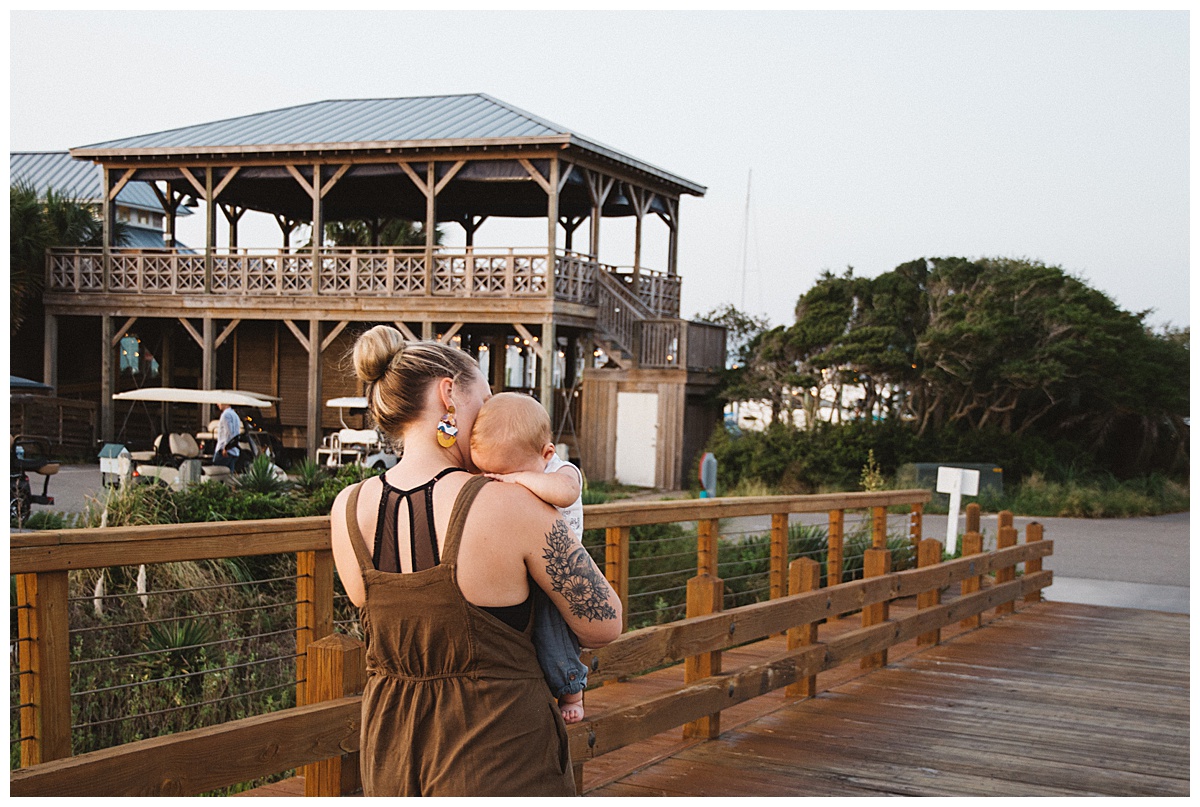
pixel 571 706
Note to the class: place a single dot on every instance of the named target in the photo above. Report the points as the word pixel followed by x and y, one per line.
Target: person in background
pixel 229 426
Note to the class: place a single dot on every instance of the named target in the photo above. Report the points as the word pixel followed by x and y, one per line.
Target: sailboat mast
pixel 746 237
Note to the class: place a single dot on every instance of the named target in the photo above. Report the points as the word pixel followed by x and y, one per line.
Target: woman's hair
pixel 398 374
pixel 511 421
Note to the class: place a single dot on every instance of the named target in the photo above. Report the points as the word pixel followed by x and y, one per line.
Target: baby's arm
pixel 560 488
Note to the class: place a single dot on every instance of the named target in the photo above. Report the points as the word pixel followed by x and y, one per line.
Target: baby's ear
pixel 548 451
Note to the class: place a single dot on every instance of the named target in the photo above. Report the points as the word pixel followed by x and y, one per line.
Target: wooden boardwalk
pixel 1057 700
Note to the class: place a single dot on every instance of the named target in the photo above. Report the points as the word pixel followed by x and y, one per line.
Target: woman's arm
pixel 343 551
pixel 559 564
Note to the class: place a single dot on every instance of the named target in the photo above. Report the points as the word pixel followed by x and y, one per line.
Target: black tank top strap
pixel 458 516
pixel 356 537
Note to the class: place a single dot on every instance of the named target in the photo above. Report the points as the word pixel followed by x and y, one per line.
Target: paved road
pixel 1129 562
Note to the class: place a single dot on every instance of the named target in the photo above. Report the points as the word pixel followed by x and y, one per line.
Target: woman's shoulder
pixel 515 503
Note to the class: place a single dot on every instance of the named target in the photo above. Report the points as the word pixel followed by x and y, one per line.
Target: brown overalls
pixel 455 703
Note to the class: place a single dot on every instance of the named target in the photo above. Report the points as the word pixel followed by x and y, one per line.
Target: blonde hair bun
pixel 375 351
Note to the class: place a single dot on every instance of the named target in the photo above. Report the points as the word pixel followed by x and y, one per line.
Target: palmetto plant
pixel 261 477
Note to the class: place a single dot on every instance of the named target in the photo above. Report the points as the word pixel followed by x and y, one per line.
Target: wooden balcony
pixel 331 274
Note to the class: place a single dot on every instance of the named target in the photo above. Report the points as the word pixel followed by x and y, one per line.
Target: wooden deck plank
pixel 1056 700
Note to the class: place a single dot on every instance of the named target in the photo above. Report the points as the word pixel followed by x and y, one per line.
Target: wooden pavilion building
pixel 280 320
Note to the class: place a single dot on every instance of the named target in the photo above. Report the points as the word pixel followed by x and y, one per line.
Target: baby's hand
pixel 501 477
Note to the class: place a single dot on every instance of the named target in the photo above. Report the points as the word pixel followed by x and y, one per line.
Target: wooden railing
pixel 489 272
pixel 324 734
pixel 68 424
pixel 679 343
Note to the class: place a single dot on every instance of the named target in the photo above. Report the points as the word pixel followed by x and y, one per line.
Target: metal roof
pixel 459 120
pixel 78 179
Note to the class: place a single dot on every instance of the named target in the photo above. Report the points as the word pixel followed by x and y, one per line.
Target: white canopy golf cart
pixel 177 459
pixel 346 446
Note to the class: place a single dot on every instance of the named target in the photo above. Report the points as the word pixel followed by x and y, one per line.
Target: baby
pixel 511 442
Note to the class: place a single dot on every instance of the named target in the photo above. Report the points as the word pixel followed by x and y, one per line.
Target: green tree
pixel 37 223
pixel 378 232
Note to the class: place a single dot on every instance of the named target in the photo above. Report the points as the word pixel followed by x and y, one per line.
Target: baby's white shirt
pixel 573 515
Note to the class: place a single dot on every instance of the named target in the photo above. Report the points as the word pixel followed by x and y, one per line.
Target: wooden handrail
pixel 265 744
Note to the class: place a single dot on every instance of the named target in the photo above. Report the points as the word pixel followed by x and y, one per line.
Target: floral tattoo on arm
pixel 575 577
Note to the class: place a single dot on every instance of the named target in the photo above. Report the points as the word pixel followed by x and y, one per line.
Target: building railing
pixel 498 272
pixel 322 731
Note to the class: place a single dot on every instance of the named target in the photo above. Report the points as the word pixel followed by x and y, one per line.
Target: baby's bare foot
pixel 571 706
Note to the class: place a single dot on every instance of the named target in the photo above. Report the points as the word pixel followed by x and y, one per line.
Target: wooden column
pixel 50 351
pixel 210 228
pixel 616 567
pixel 208 372
pixel 551 228
pixel 44 660
pixel 876 563
pixel 108 379
pixel 314 387
pixel 547 356
pixel 314 612
pixel 337 664
pixel 779 553
pixel 705 595
pixel 929 553
pixel 318 240
pixel 673 243
pixel 430 224
pixel 972 544
pixel 1033 532
pixel 804 574
pixel 108 211
pixel 1006 537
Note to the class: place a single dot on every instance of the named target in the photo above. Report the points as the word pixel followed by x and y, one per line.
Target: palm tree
pixel 36 224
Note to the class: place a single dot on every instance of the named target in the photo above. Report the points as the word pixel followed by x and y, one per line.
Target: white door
pixel 637 438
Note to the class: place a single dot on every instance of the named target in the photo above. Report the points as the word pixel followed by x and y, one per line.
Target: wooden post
pixel 1006 537
pixel 779 553
pixel 929 553
pixel 314 610
pixel 876 563
pixel 108 211
pixel 1033 532
pixel 972 544
pixel 108 381
pixel 972 517
pixel 314 387
pixel 430 223
pixel 616 566
pixel 879 527
pixel 318 240
pixel 833 554
pixel 705 595
pixel 548 355
pixel 1004 519
pixel 916 525
pixel 208 366
pixel 44 660
pixel 804 574
pixel 50 352
pixel 210 229
pixel 338 670
pixel 706 547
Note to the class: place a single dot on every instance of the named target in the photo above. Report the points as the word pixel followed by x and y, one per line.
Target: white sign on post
pixel 958 482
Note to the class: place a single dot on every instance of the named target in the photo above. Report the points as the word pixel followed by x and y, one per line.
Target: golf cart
pixel 28 454
pixel 347 446
pixel 177 459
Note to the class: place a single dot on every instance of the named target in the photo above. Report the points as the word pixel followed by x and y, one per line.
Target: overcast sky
pixel 872 138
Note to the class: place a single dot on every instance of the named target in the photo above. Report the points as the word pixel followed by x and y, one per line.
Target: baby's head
pixel 511 433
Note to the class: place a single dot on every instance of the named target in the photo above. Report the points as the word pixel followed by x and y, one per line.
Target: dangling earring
pixel 447 430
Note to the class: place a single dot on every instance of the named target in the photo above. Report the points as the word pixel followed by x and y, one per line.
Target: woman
pixel 440 563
